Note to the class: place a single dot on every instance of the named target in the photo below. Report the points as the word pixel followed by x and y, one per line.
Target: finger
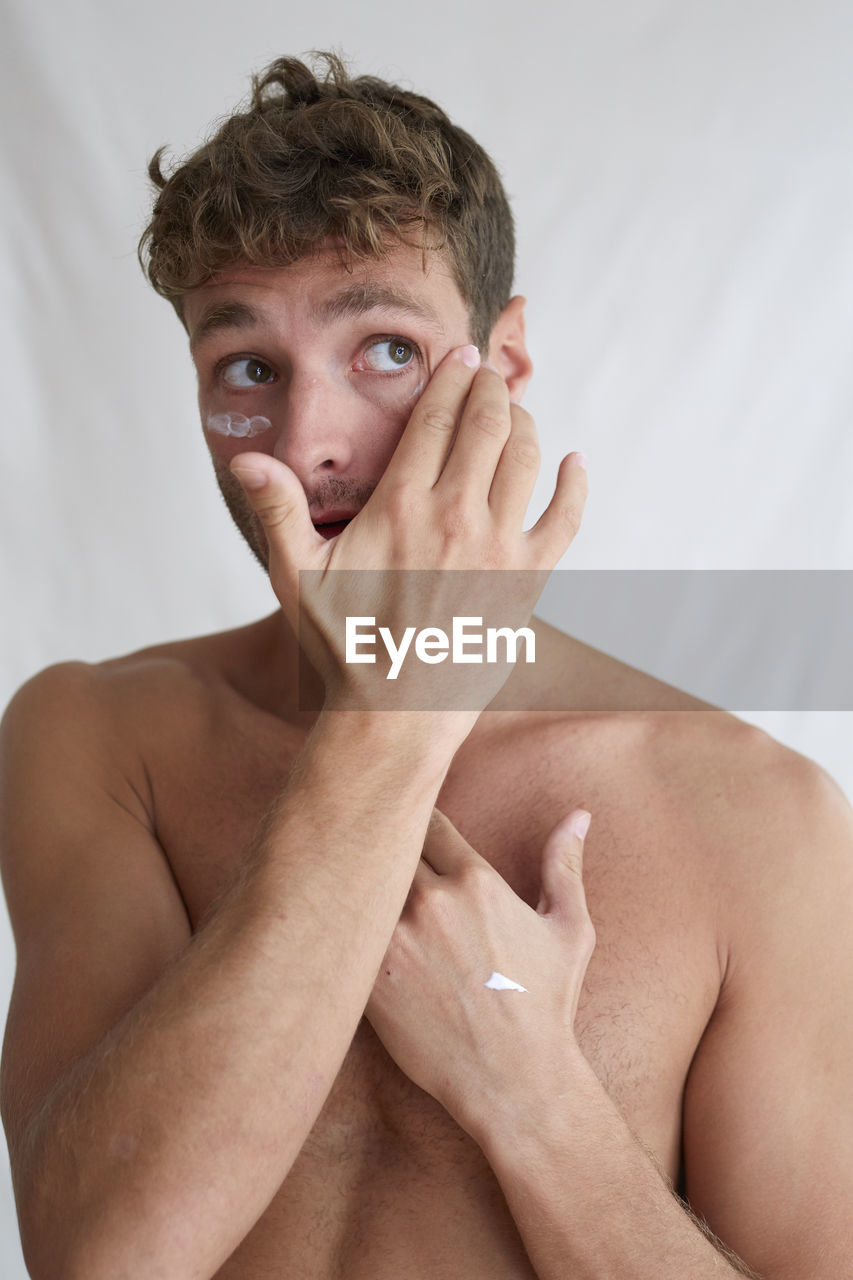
pixel 516 472
pixel 562 894
pixel 278 500
pixel 446 850
pixel 555 529
pixel 423 446
pixel 484 429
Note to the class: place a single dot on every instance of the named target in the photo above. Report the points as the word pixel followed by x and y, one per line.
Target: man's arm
pixel 768 1121
pixel 150 1128
pixel 588 1199
pixel 156 1088
pixel 768 1110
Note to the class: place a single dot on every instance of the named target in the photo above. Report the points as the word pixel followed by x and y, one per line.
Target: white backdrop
pixel 682 183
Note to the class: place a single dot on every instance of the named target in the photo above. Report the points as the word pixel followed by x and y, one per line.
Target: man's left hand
pixel 440 1005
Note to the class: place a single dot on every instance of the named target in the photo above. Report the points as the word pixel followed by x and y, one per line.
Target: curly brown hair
pixel 360 161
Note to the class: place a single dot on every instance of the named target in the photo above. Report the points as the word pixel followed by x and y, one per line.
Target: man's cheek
pixel 395 396
pixel 373 458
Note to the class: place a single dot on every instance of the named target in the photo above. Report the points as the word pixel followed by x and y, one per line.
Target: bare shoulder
pixel 74 747
pixel 84 696
pixel 780 827
pixel 112 702
pixel 756 789
pixel 716 797
pixel 80 744
pixel 724 770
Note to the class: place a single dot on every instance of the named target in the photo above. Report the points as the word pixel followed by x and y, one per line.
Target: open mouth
pixel 332 528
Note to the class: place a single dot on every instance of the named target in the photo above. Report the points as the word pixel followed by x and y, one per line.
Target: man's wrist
pixel 423 741
pixel 547 1108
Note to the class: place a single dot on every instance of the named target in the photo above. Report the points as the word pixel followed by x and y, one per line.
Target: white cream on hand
pixel 498 982
pixel 237 424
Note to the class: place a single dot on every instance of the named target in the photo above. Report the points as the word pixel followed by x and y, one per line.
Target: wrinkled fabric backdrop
pixel 682 183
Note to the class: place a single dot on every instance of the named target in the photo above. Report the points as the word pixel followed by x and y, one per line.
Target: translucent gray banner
pixel 742 640
pixel 747 640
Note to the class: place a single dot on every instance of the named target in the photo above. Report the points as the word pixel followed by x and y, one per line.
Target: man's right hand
pixel 453 497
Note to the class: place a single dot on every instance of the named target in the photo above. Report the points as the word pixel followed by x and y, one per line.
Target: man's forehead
pixel 404 280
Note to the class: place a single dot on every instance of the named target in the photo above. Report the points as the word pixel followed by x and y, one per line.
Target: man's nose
pixel 315 428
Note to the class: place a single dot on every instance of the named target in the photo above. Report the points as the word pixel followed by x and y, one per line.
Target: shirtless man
pixel 251 1032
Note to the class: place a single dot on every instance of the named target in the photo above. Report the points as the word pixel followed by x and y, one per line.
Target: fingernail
pixel 471 356
pixel 580 823
pixel 579 460
pixel 249 477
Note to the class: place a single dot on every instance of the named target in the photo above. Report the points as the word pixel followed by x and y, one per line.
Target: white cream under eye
pixel 236 424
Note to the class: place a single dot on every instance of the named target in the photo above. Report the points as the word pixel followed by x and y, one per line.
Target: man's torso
pixel 387 1184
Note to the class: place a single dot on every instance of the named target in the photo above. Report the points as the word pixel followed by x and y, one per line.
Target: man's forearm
pixel 587 1199
pixel 157 1153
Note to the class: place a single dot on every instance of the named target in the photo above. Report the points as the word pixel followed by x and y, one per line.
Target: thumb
pixel 562 867
pixel 278 500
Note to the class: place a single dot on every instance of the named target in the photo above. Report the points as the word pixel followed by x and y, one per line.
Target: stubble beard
pixel 242 514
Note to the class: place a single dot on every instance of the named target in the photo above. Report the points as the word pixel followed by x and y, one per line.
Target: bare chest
pixel 384 1152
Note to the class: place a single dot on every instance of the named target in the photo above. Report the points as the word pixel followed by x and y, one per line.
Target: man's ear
pixel 508 348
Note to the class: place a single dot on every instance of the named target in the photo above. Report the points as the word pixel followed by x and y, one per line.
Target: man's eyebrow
pixel 223 315
pixel 355 300
pixel 358 299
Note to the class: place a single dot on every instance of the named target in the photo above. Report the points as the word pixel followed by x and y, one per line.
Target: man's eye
pixel 389 354
pixel 247 373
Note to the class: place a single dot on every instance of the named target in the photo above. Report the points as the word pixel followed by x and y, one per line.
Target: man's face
pixel 333 358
